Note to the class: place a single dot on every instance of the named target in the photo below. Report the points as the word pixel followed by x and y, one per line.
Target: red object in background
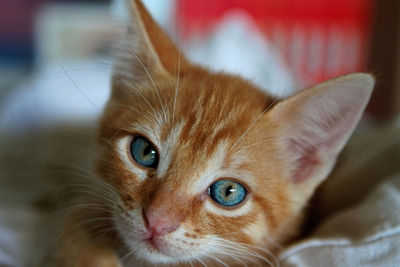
pixel 16 30
pixel 319 39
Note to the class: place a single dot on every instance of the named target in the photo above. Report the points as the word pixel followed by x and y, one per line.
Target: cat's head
pixel 206 167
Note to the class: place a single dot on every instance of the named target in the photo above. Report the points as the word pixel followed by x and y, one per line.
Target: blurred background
pixel 56 56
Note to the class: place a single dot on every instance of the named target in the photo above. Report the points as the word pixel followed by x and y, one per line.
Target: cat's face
pixel 194 177
pixel 207 168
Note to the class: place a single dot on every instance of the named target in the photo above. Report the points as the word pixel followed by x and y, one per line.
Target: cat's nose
pixel 160 223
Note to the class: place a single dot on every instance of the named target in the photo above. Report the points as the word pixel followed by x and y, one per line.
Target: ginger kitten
pixel 203 169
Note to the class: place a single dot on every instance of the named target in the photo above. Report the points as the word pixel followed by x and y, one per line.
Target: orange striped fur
pixel 207 126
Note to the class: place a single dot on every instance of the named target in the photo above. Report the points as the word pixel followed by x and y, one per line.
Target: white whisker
pixel 232 255
pixel 134 110
pixel 251 145
pixel 244 250
pixel 253 123
pixel 127 255
pixel 151 80
pixel 77 87
pixel 130 85
pixel 202 262
pixel 177 84
pixel 218 260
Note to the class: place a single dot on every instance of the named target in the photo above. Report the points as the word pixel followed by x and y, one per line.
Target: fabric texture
pixel 366 235
pixel 363 228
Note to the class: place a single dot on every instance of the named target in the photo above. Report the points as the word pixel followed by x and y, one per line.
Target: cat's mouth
pixel 165 247
pixel 151 244
pixel 156 244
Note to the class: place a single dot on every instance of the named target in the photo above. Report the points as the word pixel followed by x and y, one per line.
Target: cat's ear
pixel 147 49
pixel 314 125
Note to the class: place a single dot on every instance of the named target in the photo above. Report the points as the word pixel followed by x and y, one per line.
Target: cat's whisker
pixel 201 262
pixel 93 178
pixel 246 249
pixel 100 188
pixel 134 110
pixel 219 261
pixel 253 123
pixel 98 193
pixel 127 255
pixel 99 196
pixel 65 190
pixel 227 234
pixel 93 215
pixel 74 226
pixel 252 248
pixel 89 190
pixel 252 145
pixel 132 86
pixel 93 206
pixel 133 90
pixel 231 254
pixel 75 167
pixel 93 194
pixel 102 232
pixel 263 250
pixel 53 163
pixel 96 183
pixel 151 80
pixel 105 190
pixel 242 253
pixel 79 89
pixel 82 173
pixel 234 256
pixel 177 84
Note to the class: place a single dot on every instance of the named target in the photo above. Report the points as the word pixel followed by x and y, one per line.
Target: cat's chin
pixel 158 251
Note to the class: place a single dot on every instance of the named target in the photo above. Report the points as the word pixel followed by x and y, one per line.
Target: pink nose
pixel 159 224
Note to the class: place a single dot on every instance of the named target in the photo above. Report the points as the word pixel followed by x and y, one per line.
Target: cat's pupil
pixel 229 190
pixel 147 151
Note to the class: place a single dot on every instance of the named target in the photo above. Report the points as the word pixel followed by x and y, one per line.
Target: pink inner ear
pixel 316 123
pixel 324 133
pixel 306 159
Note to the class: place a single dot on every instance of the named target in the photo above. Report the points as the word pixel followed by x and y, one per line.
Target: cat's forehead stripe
pixel 167 148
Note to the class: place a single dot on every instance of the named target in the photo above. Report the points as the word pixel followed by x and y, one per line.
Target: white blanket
pixel 365 235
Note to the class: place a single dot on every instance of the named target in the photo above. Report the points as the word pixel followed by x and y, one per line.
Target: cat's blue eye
pixel 227 193
pixel 144 153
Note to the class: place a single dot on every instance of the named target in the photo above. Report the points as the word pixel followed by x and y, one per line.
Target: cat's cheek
pixel 130 229
pixel 257 230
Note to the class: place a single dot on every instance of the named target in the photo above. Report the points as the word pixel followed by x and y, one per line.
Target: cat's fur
pixel 205 126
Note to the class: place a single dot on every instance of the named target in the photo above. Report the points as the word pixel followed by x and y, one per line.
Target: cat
pixel 202 169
